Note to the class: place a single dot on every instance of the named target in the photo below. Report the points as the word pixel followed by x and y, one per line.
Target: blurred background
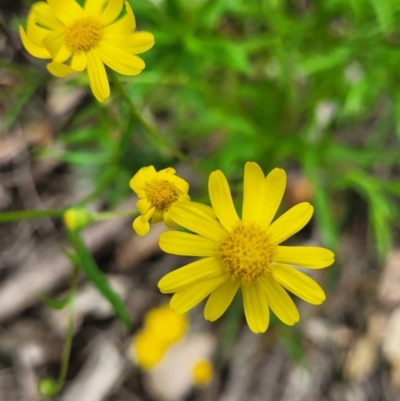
pixel 310 86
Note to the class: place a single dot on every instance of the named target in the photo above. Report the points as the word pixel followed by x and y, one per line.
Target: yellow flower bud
pixel 76 218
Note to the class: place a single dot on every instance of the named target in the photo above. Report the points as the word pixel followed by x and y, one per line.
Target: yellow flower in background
pixel 157 191
pixel 243 253
pixel 147 349
pixel 166 324
pixel 162 328
pixel 202 373
pixel 86 38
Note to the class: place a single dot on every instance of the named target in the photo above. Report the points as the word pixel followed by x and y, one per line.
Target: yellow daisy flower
pixel 243 253
pixel 87 38
pixel 157 191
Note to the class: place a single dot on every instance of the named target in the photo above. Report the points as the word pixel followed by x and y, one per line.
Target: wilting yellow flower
pixel 157 191
pixel 243 253
pixel 202 373
pixel 86 38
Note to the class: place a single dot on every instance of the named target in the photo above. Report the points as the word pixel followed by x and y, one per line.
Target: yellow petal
pixel 253 192
pixel 124 25
pixel 180 183
pixel 299 284
pixel 187 276
pixel 53 43
pixel 60 70
pixel 255 307
pixel 186 244
pixel 275 184
pixel 140 42
pixel 221 199
pixel 94 7
pixel 190 216
pixel 66 10
pixel 205 209
pixel 45 16
pixel 168 221
pixel 291 222
pixel 63 55
pixel 119 60
pixel 143 206
pixel 35 32
pixel 187 299
pixel 111 12
pixel 97 76
pixel 136 43
pixel 32 48
pixel 158 217
pixel 220 299
pixel 280 302
pixel 79 61
pixel 146 175
pixel 312 257
pixel 141 226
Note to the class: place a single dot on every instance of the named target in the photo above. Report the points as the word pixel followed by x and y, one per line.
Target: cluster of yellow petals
pixel 157 192
pixel 80 38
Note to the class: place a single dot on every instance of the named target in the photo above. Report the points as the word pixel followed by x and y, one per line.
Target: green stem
pixel 29 214
pixel 70 332
pixel 111 215
pixel 49 387
pixel 154 134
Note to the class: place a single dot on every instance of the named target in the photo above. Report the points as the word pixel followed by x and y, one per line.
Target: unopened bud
pixel 76 218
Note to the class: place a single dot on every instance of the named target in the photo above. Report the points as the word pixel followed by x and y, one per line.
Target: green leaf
pixel 323 62
pixel 221 51
pixel 384 13
pixel 381 207
pixel 57 304
pixel 325 218
pixel 356 5
pixel 88 265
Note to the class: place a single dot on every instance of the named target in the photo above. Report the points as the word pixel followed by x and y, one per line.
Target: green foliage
pixel 89 267
pixel 250 79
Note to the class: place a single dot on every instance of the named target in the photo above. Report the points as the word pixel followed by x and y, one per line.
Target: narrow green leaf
pixel 57 304
pixel 384 13
pixel 88 265
pixel 323 62
pixel 323 211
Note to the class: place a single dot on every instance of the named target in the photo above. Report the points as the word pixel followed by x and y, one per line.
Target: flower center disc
pixel 83 34
pixel 247 252
pixel 162 194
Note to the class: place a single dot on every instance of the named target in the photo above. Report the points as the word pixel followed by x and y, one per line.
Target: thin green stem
pixel 111 215
pixel 154 134
pixel 70 332
pixel 47 386
pixel 29 214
